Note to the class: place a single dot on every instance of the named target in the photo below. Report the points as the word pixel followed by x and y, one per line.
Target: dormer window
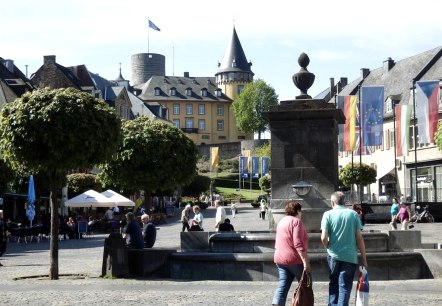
pixel 188 91
pixel 234 63
pixel 157 91
pixel 204 92
pixel 218 93
pixel 173 91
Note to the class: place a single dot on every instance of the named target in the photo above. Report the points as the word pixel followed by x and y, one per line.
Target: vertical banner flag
pixel 264 165
pixel 372 115
pixel 359 150
pixel 243 166
pixel 255 167
pixel 214 158
pixel 153 26
pixel 403 115
pixel 427 103
pixel 348 106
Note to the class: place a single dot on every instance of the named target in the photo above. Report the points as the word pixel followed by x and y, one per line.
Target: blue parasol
pixel 30 212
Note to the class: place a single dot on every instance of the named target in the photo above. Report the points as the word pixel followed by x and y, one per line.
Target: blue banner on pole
pixel 264 166
pixel 243 166
pixel 255 167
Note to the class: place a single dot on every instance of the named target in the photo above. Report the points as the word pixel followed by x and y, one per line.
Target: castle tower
pixel 145 65
pixel 233 73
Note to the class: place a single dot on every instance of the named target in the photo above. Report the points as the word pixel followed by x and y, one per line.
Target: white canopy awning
pixel 90 198
pixel 383 169
pixel 118 198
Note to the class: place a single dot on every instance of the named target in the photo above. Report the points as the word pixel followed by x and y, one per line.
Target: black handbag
pixel 304 292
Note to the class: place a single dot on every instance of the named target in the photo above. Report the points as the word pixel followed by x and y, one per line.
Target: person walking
pixel 404 215
pixel 263 208
pixel 341 235
pixel 220 214
pixel 185 215
pixel 2 235
pixel 394 210
pixel 233 209
pixel 290 257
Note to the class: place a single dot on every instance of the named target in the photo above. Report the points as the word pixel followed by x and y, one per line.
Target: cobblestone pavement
pixel 84 258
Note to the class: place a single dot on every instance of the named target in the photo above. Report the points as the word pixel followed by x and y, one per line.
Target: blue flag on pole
pixel 243 166
pixel 264 166
pixel 30 212
pixel 372 115
pixel 153 26
pixel 255 167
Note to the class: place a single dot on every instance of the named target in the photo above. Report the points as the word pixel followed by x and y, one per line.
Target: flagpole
pixel 360 145
pixel 148 31
pixel 393 104
pixel 415 141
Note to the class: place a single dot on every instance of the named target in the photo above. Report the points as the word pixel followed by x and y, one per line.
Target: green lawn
pixel 245 193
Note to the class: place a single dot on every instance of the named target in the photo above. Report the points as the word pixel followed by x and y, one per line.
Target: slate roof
pixel 166 83
pixel 234 53
pixel 13 83
pixel 398 80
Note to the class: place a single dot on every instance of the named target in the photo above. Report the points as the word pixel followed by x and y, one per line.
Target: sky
pixel 340 37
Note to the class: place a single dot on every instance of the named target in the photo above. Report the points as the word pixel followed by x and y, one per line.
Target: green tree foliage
pixel 81 182
pixel 6 175
pixel 199 184
pixel 255 98
pixel 53 130
pixel 152 156
pixel 360 174
pixel 265 183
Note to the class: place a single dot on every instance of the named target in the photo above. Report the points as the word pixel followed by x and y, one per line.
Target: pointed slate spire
pixel 234 57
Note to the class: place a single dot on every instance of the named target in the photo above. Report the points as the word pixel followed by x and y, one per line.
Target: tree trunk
pixel 53 249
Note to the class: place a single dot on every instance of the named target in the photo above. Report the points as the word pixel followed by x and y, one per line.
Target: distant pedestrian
pixel 149 231
pixel 263 208
pixel 197 222
pixel 342 236
pixel 220 214
pixel 404 215
pixel 233 209
pixel 185 217
pixel 394 210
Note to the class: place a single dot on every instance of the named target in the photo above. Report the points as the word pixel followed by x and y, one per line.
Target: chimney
pixel 9 64
pixel 186 74
pixel 332 87
pixel 344 82
pixel 364 72
pixel 388 64
pixel 48 59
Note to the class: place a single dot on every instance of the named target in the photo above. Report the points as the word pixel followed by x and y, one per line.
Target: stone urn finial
pixel 303 79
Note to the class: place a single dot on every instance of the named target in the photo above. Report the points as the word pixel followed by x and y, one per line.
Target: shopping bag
pixel 362 288
pixel 304 292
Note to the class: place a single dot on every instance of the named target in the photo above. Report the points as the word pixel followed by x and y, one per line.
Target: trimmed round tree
pixel 52 131
pixel 152 156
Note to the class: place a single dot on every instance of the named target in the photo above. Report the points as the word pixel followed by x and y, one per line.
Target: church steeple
pixel 234 66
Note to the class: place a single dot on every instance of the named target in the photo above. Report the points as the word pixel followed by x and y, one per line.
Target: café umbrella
pixel 90 198
pixel 119 199
pixel 30 211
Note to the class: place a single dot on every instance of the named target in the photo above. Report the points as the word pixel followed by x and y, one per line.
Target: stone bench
pixel 152 262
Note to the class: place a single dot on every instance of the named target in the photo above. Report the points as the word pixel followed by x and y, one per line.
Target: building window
pixel 220 125
pixel 189 91
pixel 189 109
pixel 222 137
pixel 157 91
pixel 240 88
pixel 220 110
pixel 391 132
pixel 173 91
pixel 205 136
pixel 202 124
pixel 176 123
pixel 189 123
pixel 176 109
pixel 218 93
pixel 201 109
pixel 242 137
pixel 204 92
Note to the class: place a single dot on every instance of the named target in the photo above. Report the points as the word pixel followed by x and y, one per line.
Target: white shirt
pixel 220 216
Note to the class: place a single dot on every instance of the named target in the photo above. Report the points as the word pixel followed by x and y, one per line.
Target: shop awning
pixel 383 169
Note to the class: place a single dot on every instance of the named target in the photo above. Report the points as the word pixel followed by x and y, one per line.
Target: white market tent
pixel 90 198
pixel 118 198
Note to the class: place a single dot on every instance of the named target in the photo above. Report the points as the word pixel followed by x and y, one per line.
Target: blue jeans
pixel 287 274
pixel 341 281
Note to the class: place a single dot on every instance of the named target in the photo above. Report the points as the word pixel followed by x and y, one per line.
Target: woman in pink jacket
pixel 291 246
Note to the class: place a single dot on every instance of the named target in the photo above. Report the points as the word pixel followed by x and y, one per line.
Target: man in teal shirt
pixel 342 236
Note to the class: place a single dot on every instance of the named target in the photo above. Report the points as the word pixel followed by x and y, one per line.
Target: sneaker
pixel 411 226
